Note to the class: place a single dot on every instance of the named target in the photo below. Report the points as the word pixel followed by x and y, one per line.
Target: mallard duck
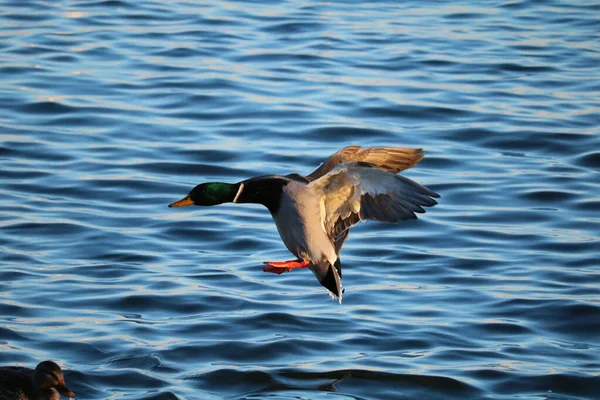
pixel 46 382
pixel 314 213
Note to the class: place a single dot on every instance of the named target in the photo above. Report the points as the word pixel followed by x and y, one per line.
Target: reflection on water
pixel 110 110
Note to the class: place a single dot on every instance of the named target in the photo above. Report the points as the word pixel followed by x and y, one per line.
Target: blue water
pixel 111 110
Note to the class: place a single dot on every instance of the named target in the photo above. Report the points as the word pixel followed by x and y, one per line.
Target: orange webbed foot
pixel 279 267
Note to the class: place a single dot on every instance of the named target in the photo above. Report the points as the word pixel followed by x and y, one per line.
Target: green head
pixel 209 194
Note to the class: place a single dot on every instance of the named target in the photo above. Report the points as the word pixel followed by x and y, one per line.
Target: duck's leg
pixel 278 267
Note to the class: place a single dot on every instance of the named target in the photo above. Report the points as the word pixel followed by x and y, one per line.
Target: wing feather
pixel 356 191
pixel 392 159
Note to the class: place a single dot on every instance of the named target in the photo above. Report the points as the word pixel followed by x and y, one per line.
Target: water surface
pixel 110 110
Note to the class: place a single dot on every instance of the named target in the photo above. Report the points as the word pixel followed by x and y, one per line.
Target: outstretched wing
pixel 393 159
pixel 357 191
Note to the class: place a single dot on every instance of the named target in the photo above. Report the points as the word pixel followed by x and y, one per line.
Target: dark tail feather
pixel 338 267
pixel 333 283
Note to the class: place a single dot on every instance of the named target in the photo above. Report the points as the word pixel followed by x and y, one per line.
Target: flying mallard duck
pixel 314 214
pixel 46 382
